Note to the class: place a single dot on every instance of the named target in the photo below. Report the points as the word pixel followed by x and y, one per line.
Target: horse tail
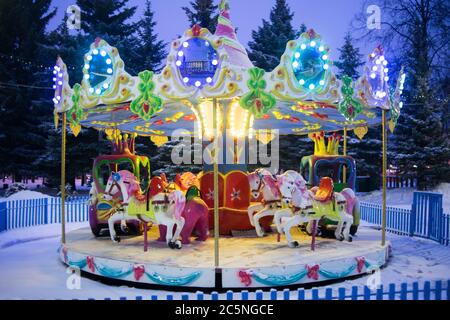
pixel 179 201
pixel 351 199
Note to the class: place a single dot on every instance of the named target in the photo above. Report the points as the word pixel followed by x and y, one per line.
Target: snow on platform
pixel 30 268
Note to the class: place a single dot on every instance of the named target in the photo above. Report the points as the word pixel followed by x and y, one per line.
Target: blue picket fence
pixel 425 219
pixel 32 212
pixel 427 290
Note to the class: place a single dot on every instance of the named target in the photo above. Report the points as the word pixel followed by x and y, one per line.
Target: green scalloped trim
pixel 256 101
pixel 146 104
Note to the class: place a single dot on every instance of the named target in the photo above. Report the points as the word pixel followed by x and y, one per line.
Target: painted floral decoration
pixel 256 100
pixel 146 104
pixel 349 106
pixel 75 114
pixel 245 277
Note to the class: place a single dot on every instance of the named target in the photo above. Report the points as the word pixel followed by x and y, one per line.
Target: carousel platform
pixel 245 262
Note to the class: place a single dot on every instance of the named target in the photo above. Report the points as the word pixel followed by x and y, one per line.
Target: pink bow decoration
pixel 360 263
pixel 139 271
pixel 90 263
pixel 313 272
pixel 245 277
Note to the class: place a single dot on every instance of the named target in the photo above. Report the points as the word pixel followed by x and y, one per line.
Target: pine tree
pixel 149 50
pixel 269 41
pixel 109 20
pixel 203 13
pixel 349 59
pixel 23 89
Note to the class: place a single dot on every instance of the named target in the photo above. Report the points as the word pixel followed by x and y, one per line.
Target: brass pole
pixel 344 170
pixel 384 168
pixel 63 178
pixel 216 185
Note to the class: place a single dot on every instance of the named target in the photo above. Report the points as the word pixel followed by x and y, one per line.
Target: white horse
pixel 155 206
pixel 263 183
pixel 305 208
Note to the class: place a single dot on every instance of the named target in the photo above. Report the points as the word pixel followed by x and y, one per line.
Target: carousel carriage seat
pixel 325 190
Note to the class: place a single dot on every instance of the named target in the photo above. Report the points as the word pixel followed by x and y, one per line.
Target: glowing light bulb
pixel 185 44
pixel 386 78
pixel 105 85
pixel 86 66
pixel 60 75
pixel 297 55
pixel 185 79
pixel 55 101
pixel 54 79
pixel 89 57
pixel 295 64
pixel 108 61
pixel 302 82
pixel 215 62
pixel 386 70
pixel 377 61
pixel 382 58
pixel 54 86
pixel 312 43
pixel 372 55
pixel 178 63
pixel 324 57
pixel 98 91
pixel 312 86
pixel 95 51
pixel 374 68
pixel 373 75
pixel 54 72
pixel 109 70
pixel 385 63
pixel 91 90
pixel 321 82
pixel 303 46
pixel 180 53
pixel 209 80
pixel 198 83
pixel 103 53
pixel 86 76
pixel 60 83
pixel 321 48
pixel 326 66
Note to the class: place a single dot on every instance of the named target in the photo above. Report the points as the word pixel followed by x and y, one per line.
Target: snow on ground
pixel 30 268
pixel 25 195
pixel 403 197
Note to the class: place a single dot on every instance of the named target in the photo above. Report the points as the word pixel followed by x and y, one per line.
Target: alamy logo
pixel 73 281
pixel 73 17
pixel 374 18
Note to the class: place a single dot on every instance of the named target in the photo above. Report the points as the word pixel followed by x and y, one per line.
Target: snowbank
pixel 26 194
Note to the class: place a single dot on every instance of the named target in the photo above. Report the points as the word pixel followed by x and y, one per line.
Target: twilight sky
pixel 330 18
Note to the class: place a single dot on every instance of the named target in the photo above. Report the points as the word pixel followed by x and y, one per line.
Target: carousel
pixel 225 227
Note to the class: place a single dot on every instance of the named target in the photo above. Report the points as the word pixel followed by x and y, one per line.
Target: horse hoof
pixel 293 244
pixel 341 238
pixel 350 239
pixel 178 244
pixel 172 245
pixel 116 239
pixel 125 229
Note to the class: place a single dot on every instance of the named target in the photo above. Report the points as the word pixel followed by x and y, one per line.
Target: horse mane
pixel 132 184
pixel 271 182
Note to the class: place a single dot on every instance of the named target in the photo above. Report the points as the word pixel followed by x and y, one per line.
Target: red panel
pixel 207 189
pixel 237 190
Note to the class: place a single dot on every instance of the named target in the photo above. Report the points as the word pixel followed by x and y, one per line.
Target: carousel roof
pixel 300 96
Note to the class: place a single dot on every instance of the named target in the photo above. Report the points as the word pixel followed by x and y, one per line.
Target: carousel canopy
pixel 300 96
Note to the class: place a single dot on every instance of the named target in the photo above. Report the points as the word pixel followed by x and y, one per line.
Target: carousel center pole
pixel 384 168
pixel 63 178
pixel 344 169
pixel 216 185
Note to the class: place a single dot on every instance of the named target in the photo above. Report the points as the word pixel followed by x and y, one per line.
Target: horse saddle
pixel 325 190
